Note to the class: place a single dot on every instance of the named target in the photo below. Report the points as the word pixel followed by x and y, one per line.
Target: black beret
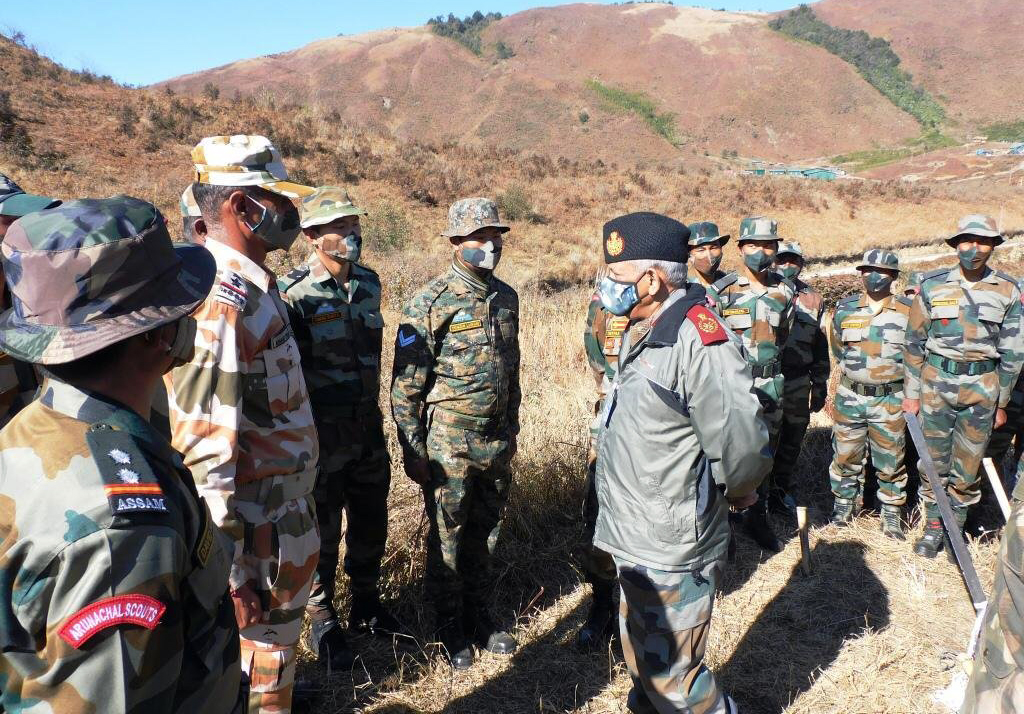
pixel 645 236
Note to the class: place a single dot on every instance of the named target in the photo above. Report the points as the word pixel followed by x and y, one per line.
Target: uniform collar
pixel 467 280
pixel 957 275
pixel 228 258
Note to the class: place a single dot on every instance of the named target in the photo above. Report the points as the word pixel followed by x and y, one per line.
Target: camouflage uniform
pixel 1013 430
pixel 240 415
pixel 339 334
pixel 805 369
pixel 868 347
pixel 997 679
pixel 455 399
pixel 113 578
pixel 704 233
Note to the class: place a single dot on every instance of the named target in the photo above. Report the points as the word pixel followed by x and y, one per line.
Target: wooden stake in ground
pixel 805 540
pixel 997 487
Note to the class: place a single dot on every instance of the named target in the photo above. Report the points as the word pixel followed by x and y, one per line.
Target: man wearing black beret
pixel 681 439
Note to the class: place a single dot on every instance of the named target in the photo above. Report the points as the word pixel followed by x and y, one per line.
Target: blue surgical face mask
pixel 875 282
pixel 618 298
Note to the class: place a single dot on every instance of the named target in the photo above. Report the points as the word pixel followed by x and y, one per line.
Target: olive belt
pixel 963 369
pixel 872 390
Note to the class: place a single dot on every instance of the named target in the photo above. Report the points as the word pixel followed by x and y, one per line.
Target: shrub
pixel 1004 131
pixel 465 31
pixel 663 123
pixel 127 119
pixel 13 136
pixel 515 203
pixel 386 228
pixel 584 117
pixel 503 51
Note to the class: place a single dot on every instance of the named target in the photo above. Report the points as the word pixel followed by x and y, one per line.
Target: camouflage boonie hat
pixel 758 228
pixel 705 232
pixel 188 206
pixel 243 160
pixel 792 247
pixel 15 202
pixel 877 258
pixel 325 204
pixel 93 272
pixel 975 225
pixel 471 214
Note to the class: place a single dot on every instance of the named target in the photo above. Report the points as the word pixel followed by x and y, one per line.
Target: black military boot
pixel 457 648
pixel 481 629
pixel 600 624
pixel 929 545
pixel 892 523
pixel 328 641
pixel 368 617
pixel 960 513
pixel 842 512
pixel 755 523
pixel 782 504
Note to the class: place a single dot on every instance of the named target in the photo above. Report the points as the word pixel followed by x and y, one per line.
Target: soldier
pixel 913 285
pixel 455 399
pixel 805 371
pixel 193 228
pixel 758 306
pixel 868 332
pixel 706 253
pixel 334 305
pixel 963 355
pixel 681 438
pixel 240 412
pixel 113 578
pixel 602 339
pixel 997 677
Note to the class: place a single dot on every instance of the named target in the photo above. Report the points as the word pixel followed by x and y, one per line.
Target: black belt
pixel 766 370
pixel 969 369
pixel 872 390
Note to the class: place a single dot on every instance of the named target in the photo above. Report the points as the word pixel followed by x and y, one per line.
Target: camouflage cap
pixel 188 206
pixel 326 204
pixel 913 281
pixel 878 258
pixel 93 272
pixel 15 202
pixel 243 160
pixel 975 225
pixel 706 232
pixel 758 228
pixel 471 214
pixel 792 247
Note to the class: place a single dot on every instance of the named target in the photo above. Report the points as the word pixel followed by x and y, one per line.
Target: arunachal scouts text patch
pixel 140 610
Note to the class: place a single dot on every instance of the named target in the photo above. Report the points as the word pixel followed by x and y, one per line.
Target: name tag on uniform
pixel 326 317
pixel 467 325
pixel 737 311
pixel 945 303
pixel 616 327
pixel 853 324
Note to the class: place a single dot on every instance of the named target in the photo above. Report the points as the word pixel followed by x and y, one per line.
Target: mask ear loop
pixel 263 215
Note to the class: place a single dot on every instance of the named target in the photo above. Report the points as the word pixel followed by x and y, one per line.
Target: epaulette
pixel 129 482
pixel 292 278
pixel 904 300
pixel 935 273
pixel 850 298
pixel 1005 276
pixel 708 327
pixel 722 283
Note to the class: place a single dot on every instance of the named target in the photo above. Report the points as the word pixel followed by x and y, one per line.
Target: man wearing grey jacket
pixel 682 439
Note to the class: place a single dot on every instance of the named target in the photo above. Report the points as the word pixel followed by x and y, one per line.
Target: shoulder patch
pixel 708 327
pixel 128 479
pixel 231 290
pixel 406 337
pixel 141 610
pixel 724 282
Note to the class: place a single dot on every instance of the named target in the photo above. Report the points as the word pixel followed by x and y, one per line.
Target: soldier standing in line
pixel 113 577
pixel 334 305
pixel 240 412
pixel 964 353
pixel 455 399
pixel 758 305
pixel 805 370
pixel 868 333
pixel 706 253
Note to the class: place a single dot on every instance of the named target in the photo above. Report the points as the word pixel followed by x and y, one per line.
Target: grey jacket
pixel 681 431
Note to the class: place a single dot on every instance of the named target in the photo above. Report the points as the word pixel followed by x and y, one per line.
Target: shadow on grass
pixel 804 628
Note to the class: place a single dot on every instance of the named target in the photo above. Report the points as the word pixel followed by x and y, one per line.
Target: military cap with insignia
pixel 645 236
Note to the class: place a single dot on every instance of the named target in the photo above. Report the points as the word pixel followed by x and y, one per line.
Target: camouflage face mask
pixel 277 230
pixel 707 263
pixel 789 271
pixel 875 282
pixel 486 257
pixel 758 261
pixel 972 259
pixel 348 248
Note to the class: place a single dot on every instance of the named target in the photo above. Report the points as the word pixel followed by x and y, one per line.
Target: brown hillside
pixel 732 82
pixel 966 52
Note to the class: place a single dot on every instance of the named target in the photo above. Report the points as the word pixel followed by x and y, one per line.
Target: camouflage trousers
pixel 597 565
pixel 664 620
pixel 796 415
pixel 956 418
pixel 281 548
pixel 864 423
pixel 465 501
pixel 997 679
pixel 770 392
pixel 354 479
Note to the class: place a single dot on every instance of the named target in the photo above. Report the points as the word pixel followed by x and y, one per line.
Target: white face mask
pixel 485 257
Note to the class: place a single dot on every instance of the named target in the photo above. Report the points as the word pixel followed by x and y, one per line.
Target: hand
pixel 248 610
pixel 911 406
pixel 418 470
pixel 1000 418
pixel 738 504
pixel 818 397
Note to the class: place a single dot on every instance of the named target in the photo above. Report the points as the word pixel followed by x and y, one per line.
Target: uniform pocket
pixel 852 334
pixel 284 380
pixel 465 352
pixel 739 321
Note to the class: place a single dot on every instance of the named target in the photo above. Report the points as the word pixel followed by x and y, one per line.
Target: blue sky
pixel 141 42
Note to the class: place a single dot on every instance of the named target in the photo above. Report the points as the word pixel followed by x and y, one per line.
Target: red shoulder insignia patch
pixel 708 327
pixel 118 610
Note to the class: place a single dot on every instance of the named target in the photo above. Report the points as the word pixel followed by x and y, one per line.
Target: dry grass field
pixel 869 631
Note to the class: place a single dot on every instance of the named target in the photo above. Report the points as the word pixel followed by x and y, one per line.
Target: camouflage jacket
pixel 806 350
pixel 694 276
pixel 339 336
pixel 113 578
pixel 868 347
pixel 239 410
pixel 761 316
pixel 965 323
pixel 602 340
pixel 457 354
pixel 18 383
